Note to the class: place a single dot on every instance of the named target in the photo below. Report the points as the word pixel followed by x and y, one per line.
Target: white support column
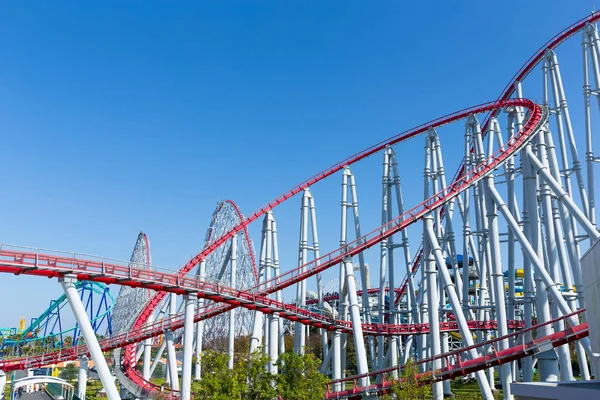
pixel 257 329
pixel 148 352
pixel 170 338
pixel 188 343
pixel 337 359
pixel 316 256
pixel 299 329
pixel 278 295
pixel 82 377
pixel 233 283
pixel 359 342
pixel 364 269
pixel 456 306
pixel 383 258
pixel 172 361
pixel 199 328
pixel 106 377
pixel 551 286
pixel 273 343
pixel 497 277
pixel 433 300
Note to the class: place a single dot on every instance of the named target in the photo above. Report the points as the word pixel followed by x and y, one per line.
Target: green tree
pixel 299 377
pixel 218 382
pixel 69 372
pixel 410 386
pixel 158 371
pixel 259 383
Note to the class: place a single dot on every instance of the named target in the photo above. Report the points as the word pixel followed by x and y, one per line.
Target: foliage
pixel 69 372
pixel 218 382
pixel 409 386
pixel 158 371
pixel 299 377
pixel 259 383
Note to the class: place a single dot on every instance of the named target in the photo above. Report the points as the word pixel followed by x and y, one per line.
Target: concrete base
pixel 580 390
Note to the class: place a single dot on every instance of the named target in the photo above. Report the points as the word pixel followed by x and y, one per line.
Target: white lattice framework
pixel 218 270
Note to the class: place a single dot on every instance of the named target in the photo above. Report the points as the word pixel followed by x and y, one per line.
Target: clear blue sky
pixel 138 115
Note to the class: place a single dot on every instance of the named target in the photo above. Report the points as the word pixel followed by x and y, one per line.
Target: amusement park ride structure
pixel 499 266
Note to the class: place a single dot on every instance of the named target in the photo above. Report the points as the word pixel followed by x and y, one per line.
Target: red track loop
pixel 89 269
pixel 537 117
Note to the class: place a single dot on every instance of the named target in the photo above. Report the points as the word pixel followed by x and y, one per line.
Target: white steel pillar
pixel 278 295
pixel 537 263
pixel 82 377
pixel 299 329
pixel 257 329
pixel 233 283
pixel 498 287
pixel 456 306
pixel 188 343
pixel 148 352
pixel 199 328
pixel 383 258
pixel 337 359
pixel 68 285
pixel 434 327
pixel 364 269
pixel 359 342
pixel 170 338
pixel 171 361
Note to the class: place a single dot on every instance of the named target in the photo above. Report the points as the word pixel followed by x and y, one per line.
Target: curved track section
pixel 218 270
pixel 541 177
pixel 114 273
pixel 459 364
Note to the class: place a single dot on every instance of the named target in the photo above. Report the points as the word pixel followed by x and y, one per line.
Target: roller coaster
pixel 502 260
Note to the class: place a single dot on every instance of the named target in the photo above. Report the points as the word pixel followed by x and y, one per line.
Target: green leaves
pixel 298 379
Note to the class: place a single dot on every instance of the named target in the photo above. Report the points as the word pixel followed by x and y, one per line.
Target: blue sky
pixel 141 115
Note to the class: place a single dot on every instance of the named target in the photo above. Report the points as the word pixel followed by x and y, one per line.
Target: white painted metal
pixel 68 284
pixel 188 342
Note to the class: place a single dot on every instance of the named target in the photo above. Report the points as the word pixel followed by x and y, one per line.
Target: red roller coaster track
pixel 52 266
pixel 366 242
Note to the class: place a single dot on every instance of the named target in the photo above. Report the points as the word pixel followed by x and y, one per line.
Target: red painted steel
pixel 456 366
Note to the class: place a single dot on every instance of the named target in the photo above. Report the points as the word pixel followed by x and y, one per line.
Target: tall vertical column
pixel 434 327
pixel 188 343
pixel 273 343
pixel 589 46
pixel 278 295
pixel 299 329
pixel 498 287
pixel 257 329
pixel 68 284
pixel 200 328
pixel 233 283
pixel 455 304
pixel 172 361
pixel 317 255
pixel 82 377
pixel 359 342
pixel 148 352
pixel 383 263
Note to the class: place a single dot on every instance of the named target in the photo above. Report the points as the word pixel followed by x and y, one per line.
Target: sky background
pixel 134 116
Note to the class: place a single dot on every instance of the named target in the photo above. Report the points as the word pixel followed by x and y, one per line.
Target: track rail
pixel 457 365
pixel 35 263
